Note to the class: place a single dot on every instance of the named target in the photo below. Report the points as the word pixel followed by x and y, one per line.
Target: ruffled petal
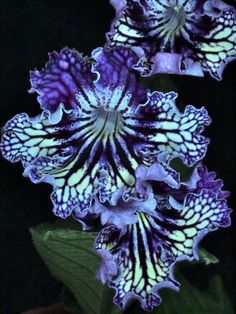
pixel 115 76
pixel 177 133
pixel 156 172
pixel 56 154
pixel 146 254
pixel 24 138
pixel 217 47
pixel 108 268
pixel 203 179
pixel 65 74
pixel 122 212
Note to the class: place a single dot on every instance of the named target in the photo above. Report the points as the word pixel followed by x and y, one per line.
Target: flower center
pixel 174 19
pixel 107 122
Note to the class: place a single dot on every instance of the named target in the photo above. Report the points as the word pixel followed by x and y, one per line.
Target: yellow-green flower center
pixel 175 19
pixel 107 122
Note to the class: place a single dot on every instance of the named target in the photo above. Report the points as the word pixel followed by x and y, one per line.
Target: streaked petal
pixel 146 254
pixel 177 133
pixel 24 138
pixel 131 26
pixel 218 46
pixel 61 154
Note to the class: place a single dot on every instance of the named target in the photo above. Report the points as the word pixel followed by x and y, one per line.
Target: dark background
pixel 29 29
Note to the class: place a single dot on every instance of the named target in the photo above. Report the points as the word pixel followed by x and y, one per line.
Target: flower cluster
pixel 105 142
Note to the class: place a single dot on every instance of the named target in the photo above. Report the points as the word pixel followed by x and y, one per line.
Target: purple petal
pixel 66 73
pixel 131 27
pixel 108 267
pixel 217 47
pixel 114 69
pixel 203 179
pixel 156 172
pixel 119 217
pixel 178 134
pixel 88 221
pixel 49 155
pixel 122 212
pixel 23 137
pixel 118 5
pixel 169 63
pixel 112 130
pixel 146 254
pixel 214 8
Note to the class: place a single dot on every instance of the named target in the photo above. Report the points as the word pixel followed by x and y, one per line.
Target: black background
pixel 29 29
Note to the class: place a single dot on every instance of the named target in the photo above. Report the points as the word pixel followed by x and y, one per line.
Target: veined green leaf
pixel 69 255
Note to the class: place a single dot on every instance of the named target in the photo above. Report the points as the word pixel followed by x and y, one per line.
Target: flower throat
pixel 107 122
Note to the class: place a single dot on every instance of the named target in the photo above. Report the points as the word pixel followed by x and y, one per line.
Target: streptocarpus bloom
pixel 180 37
pixel 139 261
pixel 98 118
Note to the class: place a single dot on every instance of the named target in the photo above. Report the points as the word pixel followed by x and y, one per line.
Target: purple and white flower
pixel 176 36
pixel 145 253
pixel 98 119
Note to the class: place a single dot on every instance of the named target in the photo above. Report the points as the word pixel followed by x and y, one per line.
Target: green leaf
pixel 69 255
pixel 69 301
pixel 212 300
pixel 161 82
pixel 206 258
pixel 107 306
pixel 184 171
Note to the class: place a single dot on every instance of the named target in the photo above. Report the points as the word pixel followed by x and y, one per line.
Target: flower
pixel 146 253
pixel 179 37
pixel 98 118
